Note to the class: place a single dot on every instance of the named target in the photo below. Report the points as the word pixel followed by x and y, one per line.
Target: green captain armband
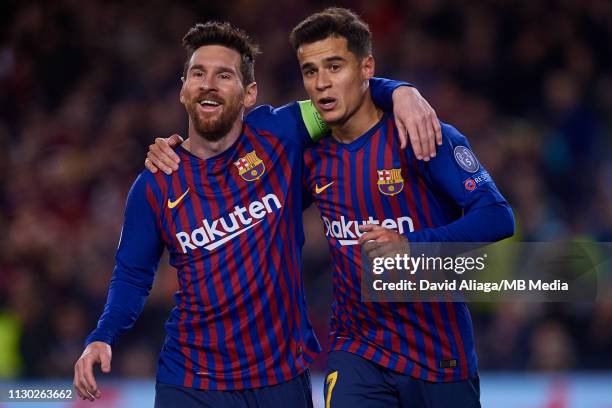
pixel 312 120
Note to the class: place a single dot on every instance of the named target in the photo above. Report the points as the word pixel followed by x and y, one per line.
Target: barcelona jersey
pixel 232 227
pixel 372 180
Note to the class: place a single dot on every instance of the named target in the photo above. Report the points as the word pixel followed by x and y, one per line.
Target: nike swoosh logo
pixel 319 190
pixel 216 244
pixel 172 204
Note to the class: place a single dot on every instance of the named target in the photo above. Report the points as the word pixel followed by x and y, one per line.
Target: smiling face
pixel 213 91
pixel 335 78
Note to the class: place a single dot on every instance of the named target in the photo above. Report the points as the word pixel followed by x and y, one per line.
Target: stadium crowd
pixel 85 86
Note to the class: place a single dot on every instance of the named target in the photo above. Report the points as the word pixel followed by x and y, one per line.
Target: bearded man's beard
pixel 214 129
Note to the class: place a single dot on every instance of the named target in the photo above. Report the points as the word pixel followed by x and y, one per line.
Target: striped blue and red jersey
pixel 450 198
pixel 232 225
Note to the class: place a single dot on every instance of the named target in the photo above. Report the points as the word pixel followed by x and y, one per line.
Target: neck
pixel 203 148
pixel 358 122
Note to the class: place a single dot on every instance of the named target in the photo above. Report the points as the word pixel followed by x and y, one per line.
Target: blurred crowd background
pixel 85 86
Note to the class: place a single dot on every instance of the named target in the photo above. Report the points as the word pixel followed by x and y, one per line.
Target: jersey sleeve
pixel 298 122
pixel 456 172
pixel 137 257
pixel 382 91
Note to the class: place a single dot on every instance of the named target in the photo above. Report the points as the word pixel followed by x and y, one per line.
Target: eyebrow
pixel 333 58
pixel 221 68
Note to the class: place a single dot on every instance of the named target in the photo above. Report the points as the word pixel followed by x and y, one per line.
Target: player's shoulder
pixel 142 179
pixel 452 134
pixel 285 123
pixel 258 113
pixel 267 115
pixel 145 177
pixel 147 183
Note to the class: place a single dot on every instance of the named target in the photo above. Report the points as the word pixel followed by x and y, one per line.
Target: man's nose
pixel 322 81
pixel 208 82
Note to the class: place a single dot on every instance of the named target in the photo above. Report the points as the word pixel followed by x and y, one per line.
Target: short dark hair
pixel 224 34
pixel 334 22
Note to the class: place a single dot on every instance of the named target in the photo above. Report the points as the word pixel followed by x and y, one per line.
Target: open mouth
pixel 209 105
pixel 327 103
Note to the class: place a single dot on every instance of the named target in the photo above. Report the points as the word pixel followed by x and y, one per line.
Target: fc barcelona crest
pixel 390 182
pixel 250 167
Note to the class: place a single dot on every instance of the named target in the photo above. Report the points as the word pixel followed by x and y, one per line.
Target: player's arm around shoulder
pixel 298 122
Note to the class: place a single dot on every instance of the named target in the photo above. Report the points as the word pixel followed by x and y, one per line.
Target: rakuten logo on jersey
pixel 347 233
pixel 217 232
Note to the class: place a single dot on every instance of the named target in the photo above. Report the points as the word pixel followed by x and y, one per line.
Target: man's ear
pixel 181 96
pixel 250 95
pixel 367 67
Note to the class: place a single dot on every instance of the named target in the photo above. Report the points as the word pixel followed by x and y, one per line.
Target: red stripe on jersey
pixel 354 347
pixel 156 210
pixel 408 194
pixel 423 194
pixel 445 345
pixel 463 364
pixel 153 203
pixel 427 338
pixel 402 363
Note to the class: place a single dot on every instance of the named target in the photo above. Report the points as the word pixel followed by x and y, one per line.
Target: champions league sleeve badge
pixel 466 159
